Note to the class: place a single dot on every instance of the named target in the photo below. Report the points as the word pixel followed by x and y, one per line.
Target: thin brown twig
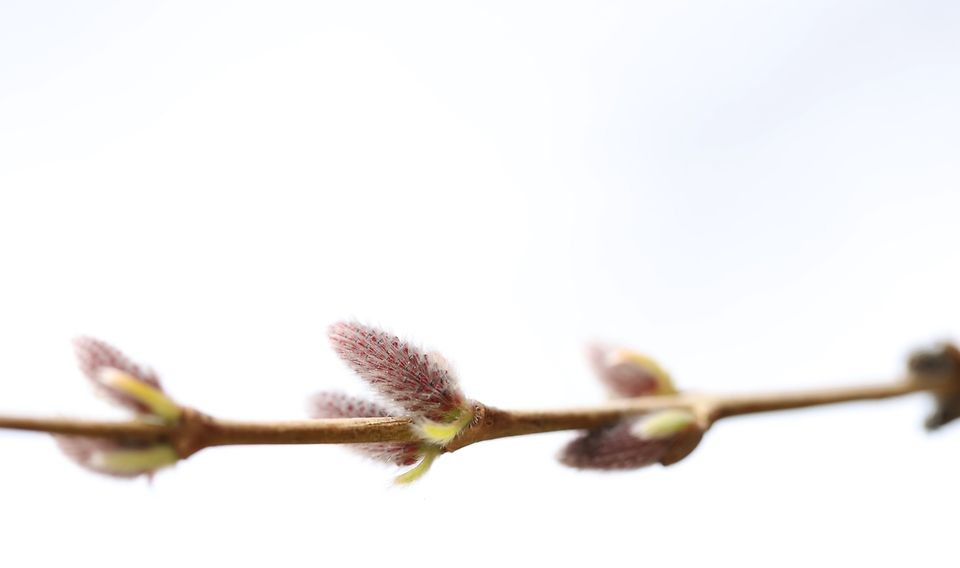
pixel 197 430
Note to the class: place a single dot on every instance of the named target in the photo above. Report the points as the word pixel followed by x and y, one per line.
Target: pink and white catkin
pixel 666 437
pixel 423 384
pixel 420 384
pixel 614 447
pixel 94 356
pixel 115 458
pixel 127 384
pixel 627 373
pixel 340 405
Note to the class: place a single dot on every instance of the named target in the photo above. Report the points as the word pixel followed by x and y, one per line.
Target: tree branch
pixel 197 430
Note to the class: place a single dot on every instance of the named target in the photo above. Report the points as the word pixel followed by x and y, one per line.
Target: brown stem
pixel 736 405
pixel 197 430
pixel 707 408
pixel 132 430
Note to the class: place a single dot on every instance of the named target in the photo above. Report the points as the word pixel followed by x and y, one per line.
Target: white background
pixel 761 195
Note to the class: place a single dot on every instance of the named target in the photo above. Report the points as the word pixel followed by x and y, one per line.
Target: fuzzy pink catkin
pixel 339 405
pixel 614 447
pixel 94 355
pixel 83 452
pixel 418 382
pixel 623 379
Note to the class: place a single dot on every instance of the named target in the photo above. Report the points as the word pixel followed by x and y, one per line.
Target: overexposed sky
pixel 760 195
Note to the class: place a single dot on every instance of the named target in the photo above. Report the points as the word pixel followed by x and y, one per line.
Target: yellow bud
pixel 129 462
pixel 663 424
pixel 156 401
pixel 643 363
pixel 429 455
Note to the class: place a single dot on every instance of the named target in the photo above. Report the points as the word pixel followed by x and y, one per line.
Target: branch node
pixel 193 432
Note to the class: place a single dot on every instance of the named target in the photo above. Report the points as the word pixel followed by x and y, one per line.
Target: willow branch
pixel 708 408
pixel 197 430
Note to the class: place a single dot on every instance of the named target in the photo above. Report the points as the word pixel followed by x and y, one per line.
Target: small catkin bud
pixel 117 459
pixel 123 382
pixel 634 443
pixel 628 373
